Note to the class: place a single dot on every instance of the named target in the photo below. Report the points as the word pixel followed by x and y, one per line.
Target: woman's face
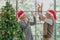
pixel 48 15
pixel 23 17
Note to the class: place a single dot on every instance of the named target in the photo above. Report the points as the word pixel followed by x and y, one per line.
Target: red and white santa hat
pixel 20 14
pixel 53 13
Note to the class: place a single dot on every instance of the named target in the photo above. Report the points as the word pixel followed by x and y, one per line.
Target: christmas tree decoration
pixel 0 19
pixel 0 26
pixel 9 27
pixel 6 0
pixel 3 33
pixel 0 12
pixel 9 12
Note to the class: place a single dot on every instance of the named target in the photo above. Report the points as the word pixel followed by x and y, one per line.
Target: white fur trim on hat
pixel 22 15
pixel 50 13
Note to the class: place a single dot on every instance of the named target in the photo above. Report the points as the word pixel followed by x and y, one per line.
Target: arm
pixel 34 19
pixel 41 17
pixel 40 8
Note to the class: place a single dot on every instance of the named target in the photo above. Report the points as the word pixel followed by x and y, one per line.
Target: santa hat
pixel 53 13
pixel 20 14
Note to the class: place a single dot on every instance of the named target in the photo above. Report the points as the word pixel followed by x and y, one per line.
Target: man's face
pixel 23 17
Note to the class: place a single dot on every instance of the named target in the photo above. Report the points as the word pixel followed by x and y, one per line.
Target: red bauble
pixel 3 33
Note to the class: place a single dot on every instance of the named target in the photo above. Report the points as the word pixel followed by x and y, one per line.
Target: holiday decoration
pixel 9 27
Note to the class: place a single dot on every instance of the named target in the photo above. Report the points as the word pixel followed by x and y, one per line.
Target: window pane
pixel 2 3
pixel 39 31
pixel 58 17
pixel 13 2
pixel 57 5
pixel 47 4
pixel 58 32
pixel 31 5
pixel 26 5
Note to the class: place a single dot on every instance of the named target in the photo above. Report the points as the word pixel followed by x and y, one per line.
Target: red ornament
pixel 3 33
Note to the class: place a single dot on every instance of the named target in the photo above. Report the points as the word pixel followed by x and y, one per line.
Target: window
pixel 31 5
pixel 2 3
pixel 58 20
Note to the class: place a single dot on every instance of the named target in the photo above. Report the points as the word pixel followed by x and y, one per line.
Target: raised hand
pixel 32 13
pixel 40 8
pixel 28 19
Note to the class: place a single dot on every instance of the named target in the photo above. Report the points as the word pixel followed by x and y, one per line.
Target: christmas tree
pixel 9 27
